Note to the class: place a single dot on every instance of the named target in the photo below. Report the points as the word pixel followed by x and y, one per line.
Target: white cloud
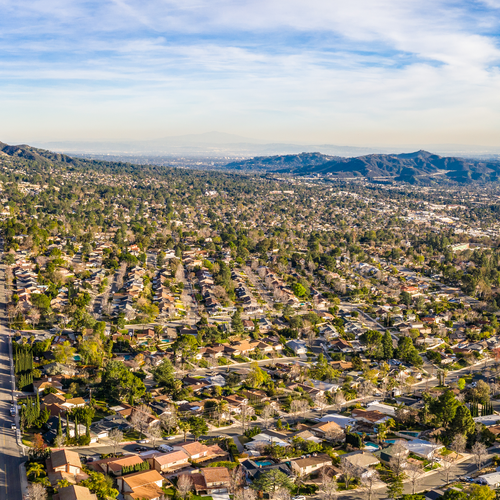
pixel 315 68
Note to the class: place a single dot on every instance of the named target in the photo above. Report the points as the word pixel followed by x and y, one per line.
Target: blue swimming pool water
pixel 392 441
pixel 371 445
pixel 263 463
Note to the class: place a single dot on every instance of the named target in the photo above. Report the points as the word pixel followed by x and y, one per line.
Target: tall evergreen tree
pixel 387 346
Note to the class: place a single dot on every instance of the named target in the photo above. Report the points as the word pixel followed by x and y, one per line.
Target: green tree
pixel 462 422
pixel 395 487
pixel 455 495
pixel 118 382
pixel 256 377
pixel 270 481
pixel 387 345
pixel 237 323
pixel 445 407
pixel 477 492
pixel 101 485
pixel 164 376
pixel 198 426
pixel 299 290
pixel 64 352
pixel 461 384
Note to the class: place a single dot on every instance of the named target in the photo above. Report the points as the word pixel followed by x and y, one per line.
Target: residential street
pixel 10 481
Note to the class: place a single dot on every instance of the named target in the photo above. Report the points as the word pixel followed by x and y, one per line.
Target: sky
pixel 350 72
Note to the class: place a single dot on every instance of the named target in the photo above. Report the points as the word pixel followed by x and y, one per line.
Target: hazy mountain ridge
pixel 34 154
pixel 418 167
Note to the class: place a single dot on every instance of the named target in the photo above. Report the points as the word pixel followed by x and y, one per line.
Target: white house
pixel 297 346
pixel 422 448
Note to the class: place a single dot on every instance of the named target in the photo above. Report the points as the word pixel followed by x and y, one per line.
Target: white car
pixel 170 438
pixel 143 441
pixel 299 497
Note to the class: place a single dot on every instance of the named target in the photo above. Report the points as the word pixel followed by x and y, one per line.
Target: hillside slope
pixel 418 167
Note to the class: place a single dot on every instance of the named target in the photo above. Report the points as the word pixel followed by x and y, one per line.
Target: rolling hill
pixel 418 167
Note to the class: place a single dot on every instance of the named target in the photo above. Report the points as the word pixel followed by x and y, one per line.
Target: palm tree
pixel 381 432
pixel 36 469
pixel 222 407
pixel 184 427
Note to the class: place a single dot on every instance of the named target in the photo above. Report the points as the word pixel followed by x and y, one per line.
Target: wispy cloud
pixel 355 71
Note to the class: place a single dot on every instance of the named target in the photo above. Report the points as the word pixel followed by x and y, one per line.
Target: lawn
pixel 131 435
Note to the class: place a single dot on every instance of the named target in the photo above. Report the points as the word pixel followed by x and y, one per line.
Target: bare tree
pixel 480 454
pixel 299 407
pixel 321 403
pixel 115 436
pixel 398 459
pixel 36 491
pixel 154 434
pixel 366 388
pixel 184 485
pixel 369 481
pixel 169 420
pixel 328 486
pixel 446 468
pixel 179 273
pixel 59 441
pixel 339 401
pixel 248 494
pixel 236 480
pixel 458 444
pixel 335 434
pixel 349 471
pixel 414 473
pixel 267 415
pixel 140 418
pixel 281 493
pixel 246 415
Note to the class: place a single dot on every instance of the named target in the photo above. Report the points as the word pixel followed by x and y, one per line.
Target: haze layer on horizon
pixel 317 71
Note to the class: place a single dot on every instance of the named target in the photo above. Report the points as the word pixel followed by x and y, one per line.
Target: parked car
pixel 170 438
pixel 164 448
pixel 143 441
pixel 140 448
pixel 299 497
pixel 13 425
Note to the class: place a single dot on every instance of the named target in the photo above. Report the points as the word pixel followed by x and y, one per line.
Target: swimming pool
pixel 263 463
pixel 369 444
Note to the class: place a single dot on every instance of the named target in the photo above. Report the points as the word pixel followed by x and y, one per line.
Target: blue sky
pixel 356 72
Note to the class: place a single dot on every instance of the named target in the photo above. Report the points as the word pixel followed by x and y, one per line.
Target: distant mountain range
pixel 415 168
pixel 420 167
pixel 220 145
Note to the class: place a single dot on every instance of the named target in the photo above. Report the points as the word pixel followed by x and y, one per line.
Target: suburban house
pixel 170 462
pixel 115 465
pixel 145 485
pixel 297 346
pixel 211 480
pixel 361 459
pixel 325 429
pixel 45 383
pixel 74 492
pixel 198 452
pixel 373 417
pixel 422 448
pixel 63 464
pixel 306 466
